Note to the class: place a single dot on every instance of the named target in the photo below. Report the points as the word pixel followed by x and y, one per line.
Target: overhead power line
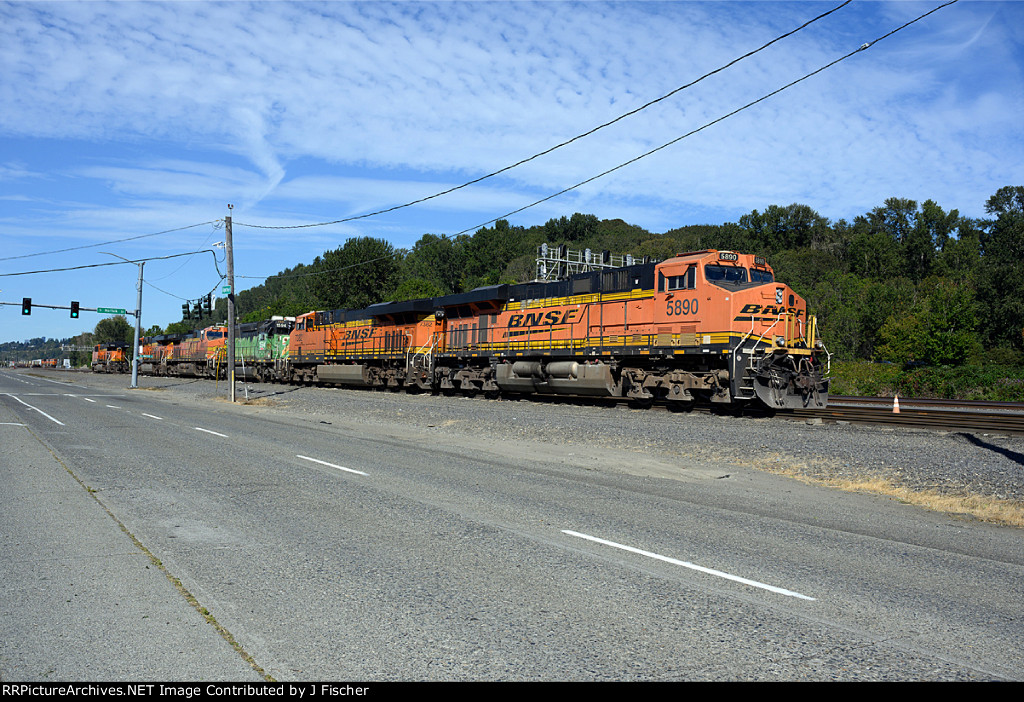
pixel 115 263
pixel 557 146
pixel 115 241
pixel 862 47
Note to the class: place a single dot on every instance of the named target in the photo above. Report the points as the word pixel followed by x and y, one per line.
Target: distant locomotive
pixel 704 326
pixel 113 357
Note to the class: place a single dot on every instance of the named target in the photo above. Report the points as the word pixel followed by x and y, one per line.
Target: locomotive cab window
pixel 761 276
pixel 725 274
pixel 686 281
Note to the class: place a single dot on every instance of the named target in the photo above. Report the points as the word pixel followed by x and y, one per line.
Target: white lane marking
pixel 88 400
pixel 57 382
pixel 56 421
pixel 113 407
pixel 692 566
pixel 11 424
pixel 152 416
pixel 325 463
pixel 208 431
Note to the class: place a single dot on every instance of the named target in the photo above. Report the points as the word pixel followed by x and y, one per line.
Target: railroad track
pixel 938 415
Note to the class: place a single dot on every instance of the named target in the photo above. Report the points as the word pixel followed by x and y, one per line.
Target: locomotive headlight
pixel 780 341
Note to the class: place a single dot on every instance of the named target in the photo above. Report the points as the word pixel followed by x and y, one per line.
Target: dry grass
pixel 986 509
pixel 261 402
pixel 254 402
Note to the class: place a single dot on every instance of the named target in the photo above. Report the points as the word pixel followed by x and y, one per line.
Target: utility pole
pixel 138 329
pixel 231 303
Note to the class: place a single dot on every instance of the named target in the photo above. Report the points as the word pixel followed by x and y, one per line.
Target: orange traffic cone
pixel 896 404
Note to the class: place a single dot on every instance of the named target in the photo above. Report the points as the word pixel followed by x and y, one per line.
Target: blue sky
pixel 132 118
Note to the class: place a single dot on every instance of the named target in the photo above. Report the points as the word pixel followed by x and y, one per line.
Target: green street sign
pixel 111 310
pixel 226 290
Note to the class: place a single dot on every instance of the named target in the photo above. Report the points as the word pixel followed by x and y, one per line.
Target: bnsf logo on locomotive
pixel 534 319
pixel 770 309
pixel 363 333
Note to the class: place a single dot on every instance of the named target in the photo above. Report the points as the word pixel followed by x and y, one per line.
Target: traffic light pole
pixel 58 307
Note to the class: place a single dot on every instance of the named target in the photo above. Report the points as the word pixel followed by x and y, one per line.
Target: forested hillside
pixel 906 281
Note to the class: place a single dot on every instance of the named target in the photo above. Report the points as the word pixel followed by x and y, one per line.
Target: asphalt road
pixel 149 537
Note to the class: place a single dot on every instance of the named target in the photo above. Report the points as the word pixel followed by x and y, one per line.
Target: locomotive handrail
pixel 419 352
pixel 745 337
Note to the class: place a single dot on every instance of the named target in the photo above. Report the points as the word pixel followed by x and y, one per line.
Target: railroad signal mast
pixel 558 262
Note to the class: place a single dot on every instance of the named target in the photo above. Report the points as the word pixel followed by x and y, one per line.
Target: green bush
pixel 995 383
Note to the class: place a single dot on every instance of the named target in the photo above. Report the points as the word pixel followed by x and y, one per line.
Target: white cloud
pixel 467 88
pixel 126 118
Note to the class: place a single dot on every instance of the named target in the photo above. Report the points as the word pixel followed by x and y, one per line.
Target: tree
pixel 960 256
pixel 574 229
pixel 491 249
pixel 872 253
pixel 114 329
pixel 939 330
pixel 415 289
pixel 1001 274
pixel 439 260
pixel 356 275
pixel 781 228
pixel 836 300
pixel 181 327
pixel 804 268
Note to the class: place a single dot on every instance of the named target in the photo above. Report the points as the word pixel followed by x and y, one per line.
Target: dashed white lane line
pixel 210 431
pixel 55 421
pixel 331 465
pixel 152 416
pixel 88 400
pixel 113 407
pixel 691 566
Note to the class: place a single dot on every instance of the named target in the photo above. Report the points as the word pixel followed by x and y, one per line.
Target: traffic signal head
pixel 207 306
pixel 185 313
pixel 74 310
pixel 26 305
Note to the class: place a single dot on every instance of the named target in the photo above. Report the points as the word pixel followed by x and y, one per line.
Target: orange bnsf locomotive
pixel 113 357
pixel 709 326
pixel 200 354
pixel 705 326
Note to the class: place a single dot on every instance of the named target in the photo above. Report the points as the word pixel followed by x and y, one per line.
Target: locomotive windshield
pixel 759 276
pixel 725 274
